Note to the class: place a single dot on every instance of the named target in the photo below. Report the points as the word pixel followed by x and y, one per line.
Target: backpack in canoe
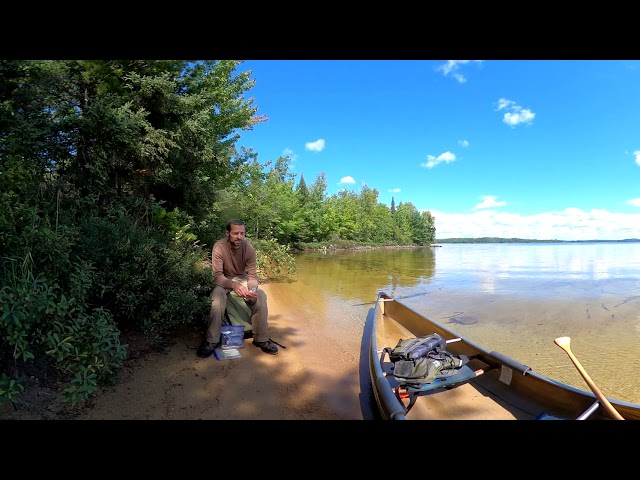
pixel 423 360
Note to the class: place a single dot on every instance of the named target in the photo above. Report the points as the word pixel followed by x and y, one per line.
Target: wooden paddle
pixel 565 344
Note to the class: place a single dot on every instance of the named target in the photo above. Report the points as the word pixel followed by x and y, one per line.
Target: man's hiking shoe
pixel 247 334
pixel 206 349
pixel 267 347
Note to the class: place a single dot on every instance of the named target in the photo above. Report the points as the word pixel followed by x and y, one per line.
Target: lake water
pixel 512 298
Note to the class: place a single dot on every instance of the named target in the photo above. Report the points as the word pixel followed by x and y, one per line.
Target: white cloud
pixel 460 78
pixel 637 155
pixel 516 114
pixel 394 190
pixel 489 201
pixel 287 152
pixel 464 143
pixel 347 180
pixel 432 161
pixel 504 103
pixel 568 224
pixel 634 201
pixel 522 116
pixel 316 146
pixel 453 66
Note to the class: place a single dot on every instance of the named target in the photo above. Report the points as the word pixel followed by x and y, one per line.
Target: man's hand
pixel 244 292
pixel 252 295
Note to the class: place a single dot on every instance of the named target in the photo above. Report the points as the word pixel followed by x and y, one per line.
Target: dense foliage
pixel 116 177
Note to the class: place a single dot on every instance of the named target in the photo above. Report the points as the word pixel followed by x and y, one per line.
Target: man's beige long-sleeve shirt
pixel 228 264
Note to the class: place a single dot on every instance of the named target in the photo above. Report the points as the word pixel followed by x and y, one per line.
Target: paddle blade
pixel 563 342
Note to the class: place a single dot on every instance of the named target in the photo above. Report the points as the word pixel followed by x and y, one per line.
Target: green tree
pixel 302 191
pixel 285 221
pixel 366 226
pixel 428 227
pixel 403 221
pixel 107 168
pixel 342 211
pixel 315 210
pixel 385 227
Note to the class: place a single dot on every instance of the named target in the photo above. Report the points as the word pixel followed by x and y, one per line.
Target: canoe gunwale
pixel 388 405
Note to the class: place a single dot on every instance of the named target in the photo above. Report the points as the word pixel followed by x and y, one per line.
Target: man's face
pixel 236 235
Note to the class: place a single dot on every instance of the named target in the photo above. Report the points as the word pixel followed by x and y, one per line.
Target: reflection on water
pixel 504 265
pixel 359 275
pixel 513 298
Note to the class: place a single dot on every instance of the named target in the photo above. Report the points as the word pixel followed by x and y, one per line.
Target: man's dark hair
pixel 235 222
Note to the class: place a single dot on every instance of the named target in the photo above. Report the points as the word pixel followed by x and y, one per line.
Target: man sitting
pixel 233 260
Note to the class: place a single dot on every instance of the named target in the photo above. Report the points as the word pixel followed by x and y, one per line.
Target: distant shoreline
pixel 449 241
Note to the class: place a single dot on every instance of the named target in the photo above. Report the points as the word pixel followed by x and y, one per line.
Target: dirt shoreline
pixel 307 380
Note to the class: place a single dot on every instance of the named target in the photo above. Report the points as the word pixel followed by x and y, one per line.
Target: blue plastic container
pixel 232 336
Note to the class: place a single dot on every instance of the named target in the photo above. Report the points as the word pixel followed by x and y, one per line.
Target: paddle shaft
pixel 564 343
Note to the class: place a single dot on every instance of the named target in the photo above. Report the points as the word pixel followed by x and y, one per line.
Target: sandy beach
pixel 316 377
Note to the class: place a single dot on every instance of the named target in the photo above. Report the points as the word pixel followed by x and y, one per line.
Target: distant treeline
pixel 526 240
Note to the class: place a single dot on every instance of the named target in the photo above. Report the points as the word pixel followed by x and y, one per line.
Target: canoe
pixel 490 386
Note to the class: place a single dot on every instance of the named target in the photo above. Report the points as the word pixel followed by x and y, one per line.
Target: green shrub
pixel 88 349
pixel 274 260
pixel 151 280
pixel 10 389
pixel 40 322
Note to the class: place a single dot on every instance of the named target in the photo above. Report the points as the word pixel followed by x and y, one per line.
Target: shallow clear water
pixel 513 298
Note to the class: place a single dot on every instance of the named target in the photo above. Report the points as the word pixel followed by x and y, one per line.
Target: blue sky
pixel 505 148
